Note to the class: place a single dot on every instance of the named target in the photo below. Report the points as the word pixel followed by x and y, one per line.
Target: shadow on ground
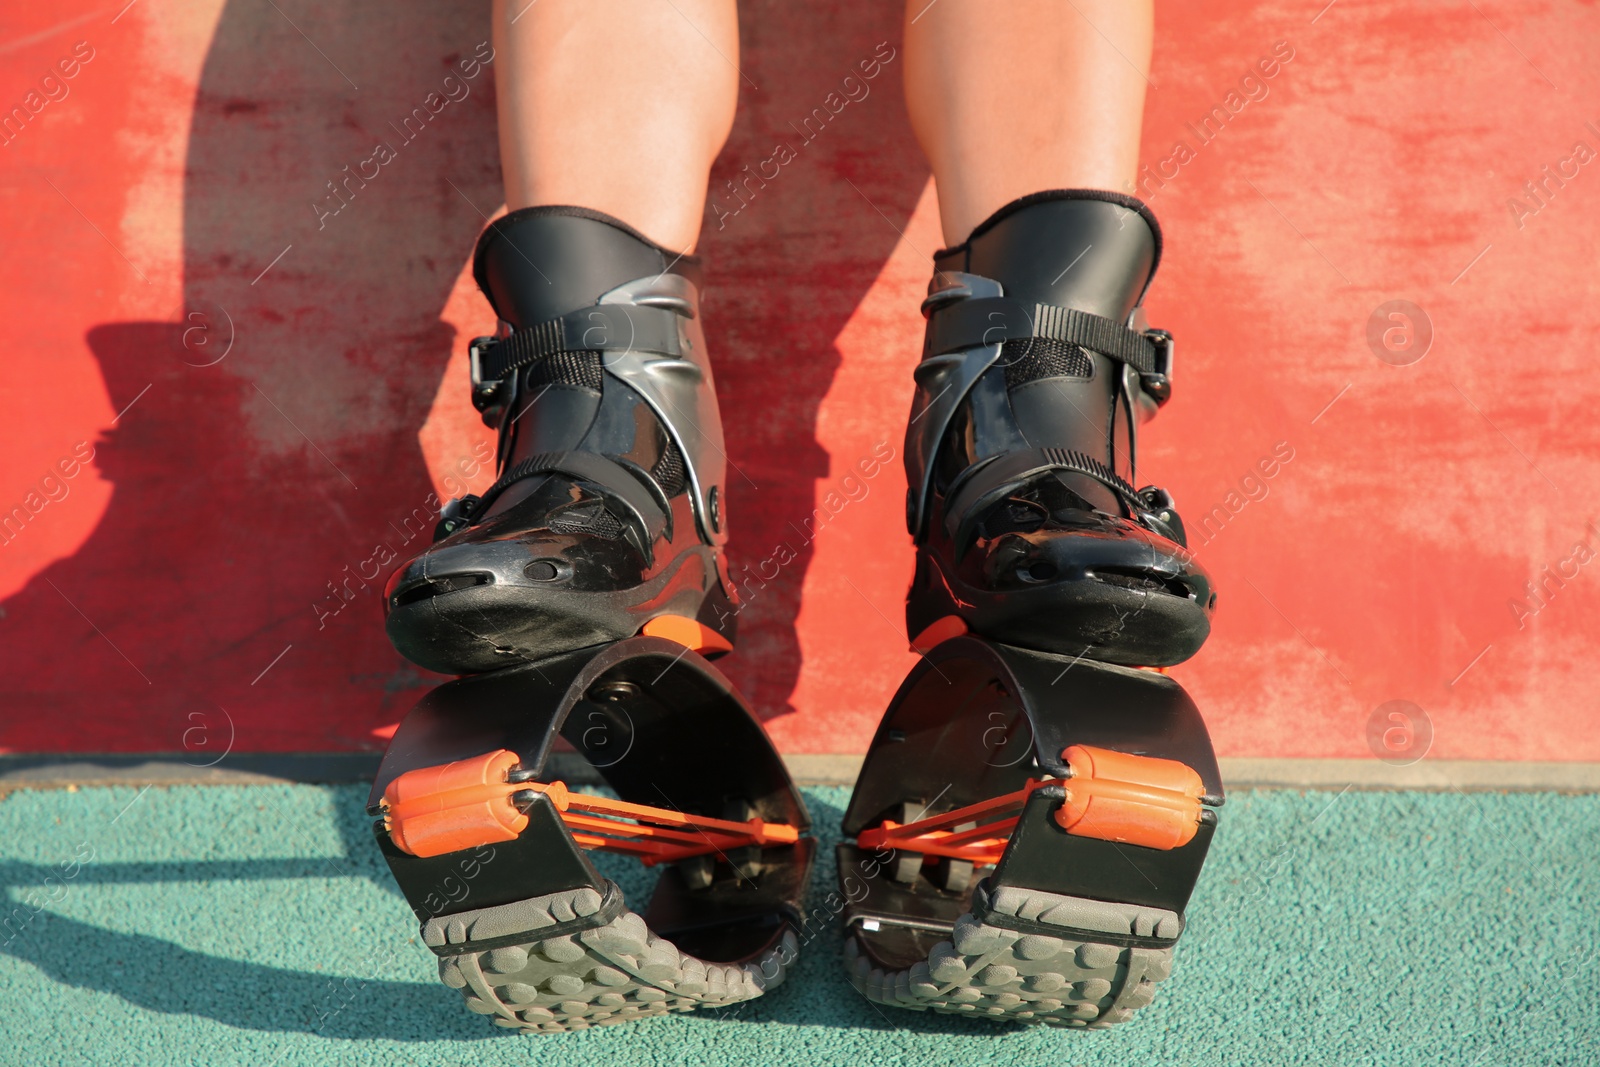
pixel 157 974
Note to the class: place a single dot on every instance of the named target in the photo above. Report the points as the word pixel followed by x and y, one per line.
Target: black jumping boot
pixel 1036 372
pixel 607 518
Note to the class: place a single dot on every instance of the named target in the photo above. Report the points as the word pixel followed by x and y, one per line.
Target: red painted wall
pixel 269 390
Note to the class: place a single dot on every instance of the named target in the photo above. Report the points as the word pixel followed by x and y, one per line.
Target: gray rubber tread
pixel 991 972
pixel 598 977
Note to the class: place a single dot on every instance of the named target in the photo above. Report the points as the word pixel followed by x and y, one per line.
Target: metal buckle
pixel 455 514
pixel 483 390
pixel 1159 383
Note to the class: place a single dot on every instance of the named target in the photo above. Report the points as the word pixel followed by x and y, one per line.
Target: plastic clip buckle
pixel 1159 383
pixel 484 389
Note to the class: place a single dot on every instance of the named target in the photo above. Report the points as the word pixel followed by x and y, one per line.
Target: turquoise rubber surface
pixel 257 925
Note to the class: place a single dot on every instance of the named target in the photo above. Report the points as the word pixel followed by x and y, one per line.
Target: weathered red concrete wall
pixel 224 404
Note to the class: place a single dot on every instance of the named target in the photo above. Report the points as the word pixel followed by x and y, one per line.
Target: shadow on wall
pixel 268 458
pixel 792 246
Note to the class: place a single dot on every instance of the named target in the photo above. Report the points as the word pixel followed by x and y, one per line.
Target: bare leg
pixel 616 105
pixel 1008 99
pixel 616 108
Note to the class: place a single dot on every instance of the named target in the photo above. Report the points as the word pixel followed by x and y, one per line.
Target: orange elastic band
pixel 461 805
pixel 454 806
pixel 1137 800
pixel 1112 796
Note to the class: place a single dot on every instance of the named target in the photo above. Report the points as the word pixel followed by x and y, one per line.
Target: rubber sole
pixel 601 976
pixel 1071 980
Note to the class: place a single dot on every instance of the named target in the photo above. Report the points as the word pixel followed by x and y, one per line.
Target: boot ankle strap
pixel 978 321
pixel 598 328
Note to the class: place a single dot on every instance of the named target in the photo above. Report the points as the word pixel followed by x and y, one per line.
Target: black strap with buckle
pixel 993 320
pixel 598 328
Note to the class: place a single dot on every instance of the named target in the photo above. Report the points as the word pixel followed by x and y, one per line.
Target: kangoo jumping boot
pixel 1034 810
pixel 606 519
pixel 577 596
pixel 1020 452
pixel 497 849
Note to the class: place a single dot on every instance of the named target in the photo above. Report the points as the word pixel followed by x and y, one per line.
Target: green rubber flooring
pixel 211 925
